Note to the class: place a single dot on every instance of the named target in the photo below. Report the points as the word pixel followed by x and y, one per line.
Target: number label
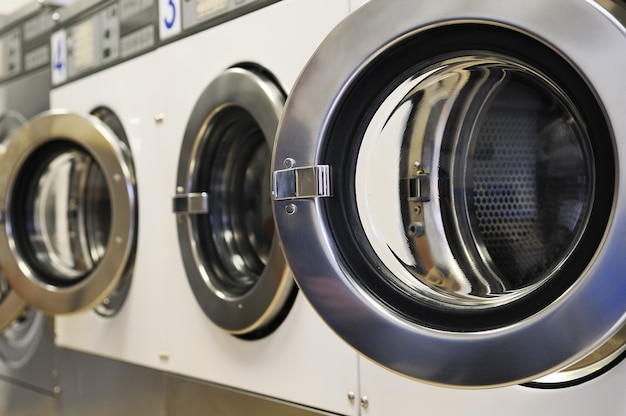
pixel 169 18
pixel 58 48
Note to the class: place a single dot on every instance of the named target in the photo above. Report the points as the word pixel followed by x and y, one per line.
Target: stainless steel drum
pixel 234 264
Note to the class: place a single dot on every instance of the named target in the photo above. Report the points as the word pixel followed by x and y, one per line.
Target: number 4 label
pixel 58 49
pixel 169 18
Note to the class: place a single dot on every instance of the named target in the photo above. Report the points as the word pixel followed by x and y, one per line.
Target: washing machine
pixel 236 316
pixel 448 191
pixel 71 238
pixel 27 352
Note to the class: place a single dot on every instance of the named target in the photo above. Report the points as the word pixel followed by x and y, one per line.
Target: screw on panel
pixel 291 209
pixel 365 402
pixel 416 229
pixel 289 163
pixel 56 391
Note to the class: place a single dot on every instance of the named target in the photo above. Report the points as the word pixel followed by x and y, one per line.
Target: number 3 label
pixel 169 18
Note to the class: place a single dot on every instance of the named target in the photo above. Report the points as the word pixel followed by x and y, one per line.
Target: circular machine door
pixel 234 264
pixel 447 190
pixel 22 327
pixel 68 201
pixel 11 305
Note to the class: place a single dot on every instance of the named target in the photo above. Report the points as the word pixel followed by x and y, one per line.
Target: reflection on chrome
pixel 20 340
pixel 71 216
pixel 234 264
pixel 10 122
pixel 474 181
pixel 4 287
pixel 236 231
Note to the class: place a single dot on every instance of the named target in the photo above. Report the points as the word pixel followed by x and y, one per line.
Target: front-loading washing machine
pixel 235 316
pixel 448 191
pixel 73 224
pixel 27 351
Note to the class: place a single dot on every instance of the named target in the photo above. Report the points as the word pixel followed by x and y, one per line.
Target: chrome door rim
pixel 11 306
pixel 443 357
pixel 256 310
pixel 10 122
pixel 113 159
pixel 20 341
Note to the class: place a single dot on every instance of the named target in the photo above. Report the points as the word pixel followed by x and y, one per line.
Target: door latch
pixel 302 183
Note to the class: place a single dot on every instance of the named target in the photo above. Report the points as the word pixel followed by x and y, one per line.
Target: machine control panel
pixel 94 41
pixel 101 36
pixel 189 16
pixel 196 11
pixel 24 44
pixel 35 34
pixel 138 26
pixel 10 54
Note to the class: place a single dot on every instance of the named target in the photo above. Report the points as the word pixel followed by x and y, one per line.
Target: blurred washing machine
pixel 448 193
pixel 71 240
pixel 237 318
pixel 27 351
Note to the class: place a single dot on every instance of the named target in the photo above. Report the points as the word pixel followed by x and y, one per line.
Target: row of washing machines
pixel 390 208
